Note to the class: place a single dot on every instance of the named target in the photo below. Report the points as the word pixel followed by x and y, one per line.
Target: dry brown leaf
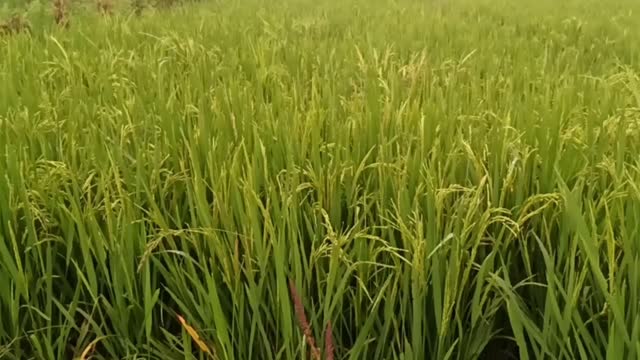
pixel 89 349
pixel 195 336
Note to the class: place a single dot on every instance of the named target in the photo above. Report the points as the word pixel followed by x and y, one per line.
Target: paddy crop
pixel 435 179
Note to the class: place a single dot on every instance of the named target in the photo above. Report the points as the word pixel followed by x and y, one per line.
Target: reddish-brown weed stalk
pixel 302 321
pixel 328 342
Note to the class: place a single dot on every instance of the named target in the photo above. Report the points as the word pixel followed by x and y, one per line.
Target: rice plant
pixel 383 179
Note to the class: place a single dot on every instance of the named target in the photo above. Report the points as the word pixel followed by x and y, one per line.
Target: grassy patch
pixel 431 179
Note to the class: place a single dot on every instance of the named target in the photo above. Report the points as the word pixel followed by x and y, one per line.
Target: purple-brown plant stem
pixel 328 342
pixel 303 322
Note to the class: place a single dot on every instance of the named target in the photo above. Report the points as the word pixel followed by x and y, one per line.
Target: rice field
pixel 298 179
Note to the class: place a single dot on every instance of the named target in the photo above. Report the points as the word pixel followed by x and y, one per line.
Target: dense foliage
pixel 438 179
